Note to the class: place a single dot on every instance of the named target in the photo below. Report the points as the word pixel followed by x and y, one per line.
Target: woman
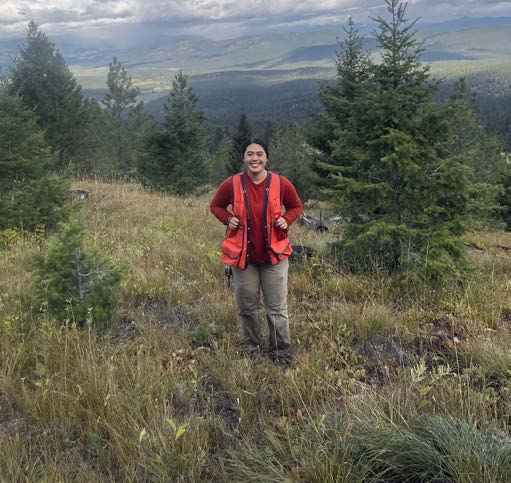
pixel 256 246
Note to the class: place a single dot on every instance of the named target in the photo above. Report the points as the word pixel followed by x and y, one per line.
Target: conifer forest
pixel 121 355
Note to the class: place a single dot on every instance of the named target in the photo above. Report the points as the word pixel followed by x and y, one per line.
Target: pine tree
pixel 43 80
pixel 406 199
pixel 75 283
pixel 470 141
pixel 121 94
pixel 97 141
pixel 291 156
pixel 31 194
pixel 175 156
pixel 243 133
pixel 126 114
pixel 479 150
pixel 216 166
pixel 353 70
pixel 269 130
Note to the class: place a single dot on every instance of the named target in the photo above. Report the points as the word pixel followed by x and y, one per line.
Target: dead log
pixel 313 223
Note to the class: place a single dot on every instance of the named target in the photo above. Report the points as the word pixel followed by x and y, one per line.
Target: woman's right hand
pixel 234 223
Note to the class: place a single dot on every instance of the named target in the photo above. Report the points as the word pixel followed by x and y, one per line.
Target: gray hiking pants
pixel 273 282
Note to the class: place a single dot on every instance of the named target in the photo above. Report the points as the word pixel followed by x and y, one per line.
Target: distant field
pixel 459 68
pixel 159 79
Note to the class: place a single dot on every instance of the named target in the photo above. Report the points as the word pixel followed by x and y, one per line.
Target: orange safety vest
pixel 235 247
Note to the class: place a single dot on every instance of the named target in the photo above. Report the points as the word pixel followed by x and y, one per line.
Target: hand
pixel 281 223
pixel 234 223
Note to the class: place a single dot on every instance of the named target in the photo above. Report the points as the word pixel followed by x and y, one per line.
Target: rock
pixel 300 252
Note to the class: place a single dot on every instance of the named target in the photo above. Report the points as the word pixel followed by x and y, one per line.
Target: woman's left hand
pixel 281 223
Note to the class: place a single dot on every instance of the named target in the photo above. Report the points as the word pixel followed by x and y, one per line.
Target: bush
pixel 73 283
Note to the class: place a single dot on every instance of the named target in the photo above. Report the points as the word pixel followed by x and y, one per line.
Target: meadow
pixel 386 385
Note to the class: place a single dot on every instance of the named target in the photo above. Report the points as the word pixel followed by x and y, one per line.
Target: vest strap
pixel 265 210
pixel 247 212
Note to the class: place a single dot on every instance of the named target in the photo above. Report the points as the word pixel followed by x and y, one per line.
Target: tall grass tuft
pixel 433 448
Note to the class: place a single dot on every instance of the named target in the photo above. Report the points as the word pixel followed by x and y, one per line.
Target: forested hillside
pixel 293 95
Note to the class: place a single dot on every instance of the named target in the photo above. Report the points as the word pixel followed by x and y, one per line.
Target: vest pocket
pixel 279 241
pixel 232 246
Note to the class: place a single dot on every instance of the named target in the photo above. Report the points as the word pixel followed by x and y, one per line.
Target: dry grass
pixel 168 395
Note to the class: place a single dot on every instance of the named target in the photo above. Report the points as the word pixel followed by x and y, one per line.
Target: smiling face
pixel 255 160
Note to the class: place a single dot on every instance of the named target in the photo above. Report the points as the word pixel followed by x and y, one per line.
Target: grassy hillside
pixel 386 385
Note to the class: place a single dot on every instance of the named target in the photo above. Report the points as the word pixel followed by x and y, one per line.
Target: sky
pixel 221 18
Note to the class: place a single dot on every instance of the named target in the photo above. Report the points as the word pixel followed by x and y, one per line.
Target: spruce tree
pixel 269 130
pixel 470 141
pixel 479 150
pixel 43 80
pixel 353 65
pixel 405 197
pixel 216 137
pixel 175 155
pixel 216 162
pixel 121 93
pixel 243 132
pixel 75 283
pixel 126 115
pixel 291 156
pixel 31 194
pixel 97 141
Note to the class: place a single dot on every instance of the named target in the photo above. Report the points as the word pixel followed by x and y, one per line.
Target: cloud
pixel 53 15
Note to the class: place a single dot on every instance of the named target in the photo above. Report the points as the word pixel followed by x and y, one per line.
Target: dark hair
pixel 250 141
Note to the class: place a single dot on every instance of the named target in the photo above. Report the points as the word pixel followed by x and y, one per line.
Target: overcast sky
pixel 222 18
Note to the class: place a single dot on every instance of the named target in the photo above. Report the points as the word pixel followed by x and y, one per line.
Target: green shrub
pixel 73 283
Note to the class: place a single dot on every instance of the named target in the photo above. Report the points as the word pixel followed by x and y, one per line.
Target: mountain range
pixel 272 74
pixel 150 47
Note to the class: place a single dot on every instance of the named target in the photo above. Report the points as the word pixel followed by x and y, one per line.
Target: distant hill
pixel 152 47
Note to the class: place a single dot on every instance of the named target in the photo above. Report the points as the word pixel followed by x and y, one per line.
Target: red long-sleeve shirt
pixel 255 192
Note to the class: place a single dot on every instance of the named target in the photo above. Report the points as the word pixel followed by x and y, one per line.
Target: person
pixel 257 246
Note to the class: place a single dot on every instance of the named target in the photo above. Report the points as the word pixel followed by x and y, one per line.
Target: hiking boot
pixel 283 361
